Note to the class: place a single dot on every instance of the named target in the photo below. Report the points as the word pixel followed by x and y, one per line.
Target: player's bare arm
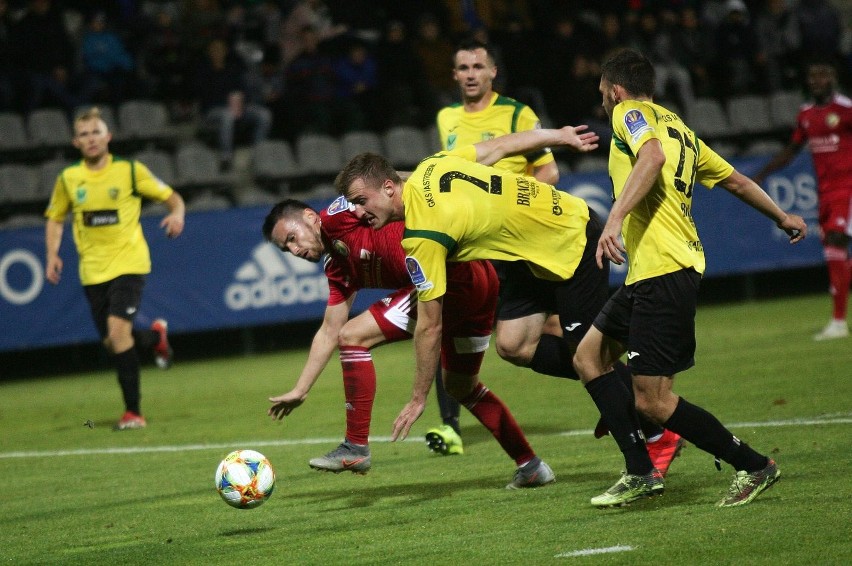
pixel 53 263
pixel 322 348
pixel 750 193
pixel 577 138
pixel 173 222
pixel 649 163
pixel 779 161
pixel 427 349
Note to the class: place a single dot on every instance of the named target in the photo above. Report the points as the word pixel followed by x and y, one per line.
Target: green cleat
pixel 747 485
pixel 444 440
pixel 630 488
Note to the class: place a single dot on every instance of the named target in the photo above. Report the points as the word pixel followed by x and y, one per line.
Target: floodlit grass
pixel 75 495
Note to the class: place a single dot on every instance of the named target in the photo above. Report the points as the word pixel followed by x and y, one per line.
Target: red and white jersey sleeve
pixel 361 257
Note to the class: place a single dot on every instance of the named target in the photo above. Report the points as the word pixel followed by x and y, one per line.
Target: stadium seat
pixel 591 164
pixel 255 197
pixel 707 117
pixel 727 150
pixel 353 143
pixel 406 146
pixel 433 138
pixel 207 200
pixel 19 184
pixel 145 121
pixel 49 128
pixel 14 132
pixel 319 154
pixel 762 147
pixel 273 163
pixel 160 163
pixel 784 108
pixel 197 166
pixel 749 114
pixel 48 171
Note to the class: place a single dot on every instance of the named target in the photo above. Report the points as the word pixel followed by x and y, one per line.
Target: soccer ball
pixel 245 479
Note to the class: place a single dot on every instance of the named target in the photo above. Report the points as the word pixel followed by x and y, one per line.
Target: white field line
pixel 304 441
pixel 591 551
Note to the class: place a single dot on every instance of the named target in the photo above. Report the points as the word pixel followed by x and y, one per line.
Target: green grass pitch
pixel 78 495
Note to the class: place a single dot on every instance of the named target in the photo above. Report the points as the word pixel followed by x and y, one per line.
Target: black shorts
pixel 655 320
pixel 577 300
pixel 118 297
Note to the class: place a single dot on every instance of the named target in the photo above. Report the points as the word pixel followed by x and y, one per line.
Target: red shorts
pixel 468 315
pixel 835 213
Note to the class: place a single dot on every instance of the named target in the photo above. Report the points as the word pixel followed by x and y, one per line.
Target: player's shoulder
pixel 843 101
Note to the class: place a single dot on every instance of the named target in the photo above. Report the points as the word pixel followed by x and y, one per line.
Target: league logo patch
pixel 340 204
pixel 636 124
pixel 416 274
pixel 81 194
pixel 340 247
pixel 451 141
pixel 832 120
pixel 113 193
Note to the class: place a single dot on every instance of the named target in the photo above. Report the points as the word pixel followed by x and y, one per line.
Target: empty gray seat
pixel 319 154
pixel 197 164
pixel 707 117
pixel 749 114
pixel 48 171
pixel 273 161
pixel 406 146
pixel 160 163
pixel 19 184
pixel 144 120
pixel 762 147
pixel 49 127
pixel 353 143
pixel 14 132
pixel 784 107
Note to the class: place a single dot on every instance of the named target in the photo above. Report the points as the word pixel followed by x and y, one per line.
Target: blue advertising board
pixel 221 274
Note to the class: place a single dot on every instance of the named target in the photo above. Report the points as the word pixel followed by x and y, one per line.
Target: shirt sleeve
pixel 712 168
pixel 148 185
pixel 59 203
pixel 426 263
pixel 633 125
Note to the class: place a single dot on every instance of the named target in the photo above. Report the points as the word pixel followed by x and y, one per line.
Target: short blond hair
pixel 91 113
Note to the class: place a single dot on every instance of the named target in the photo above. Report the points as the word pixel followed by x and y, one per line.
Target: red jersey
pixel 361 257
pixel 828 133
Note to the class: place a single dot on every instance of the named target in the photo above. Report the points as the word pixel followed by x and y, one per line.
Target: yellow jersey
pixel 459 210
pixel 106 206
pixel 502 116
pixel 659 233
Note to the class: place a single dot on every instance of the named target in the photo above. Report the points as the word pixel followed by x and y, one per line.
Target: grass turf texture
pixel 756 363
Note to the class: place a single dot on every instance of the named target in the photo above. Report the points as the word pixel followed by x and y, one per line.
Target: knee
pixel 653 407
pixel 586 366
pixel 515 353
pixel 349 336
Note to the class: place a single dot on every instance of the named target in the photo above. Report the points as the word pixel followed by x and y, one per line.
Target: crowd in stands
pixel 245 70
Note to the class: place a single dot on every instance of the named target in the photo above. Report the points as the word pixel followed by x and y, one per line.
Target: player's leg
pixel 836 251
pixel 387 320
pixel 121 299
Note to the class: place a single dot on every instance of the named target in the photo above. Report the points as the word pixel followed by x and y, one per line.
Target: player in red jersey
pixel 359 257
pixel 825 124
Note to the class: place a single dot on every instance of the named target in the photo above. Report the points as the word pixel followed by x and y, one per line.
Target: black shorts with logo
pixel 118 297
pixel 577 300
pixel 655 320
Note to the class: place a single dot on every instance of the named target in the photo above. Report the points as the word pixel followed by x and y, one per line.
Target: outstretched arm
pixel 780 160
pixel 427 349
pixel 491 151
pixel 322 348
pixel 750 193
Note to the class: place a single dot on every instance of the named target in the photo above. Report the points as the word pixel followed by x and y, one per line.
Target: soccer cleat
pixel 346 457
pixel 444 440
pixel 532 474
pixel 834 329
pixel 665 449
pixel 630 488
pixel 162 350
pixel 130 420
pixel 747 485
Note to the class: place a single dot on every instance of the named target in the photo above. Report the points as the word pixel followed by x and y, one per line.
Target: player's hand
pixel 284 404
pixel 609 246
pixel 572 137
pixel 795 226
pixel 409 414
pixel 172 225
pixel 53 269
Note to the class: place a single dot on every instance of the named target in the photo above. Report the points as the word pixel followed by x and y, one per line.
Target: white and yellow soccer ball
pixel 245 479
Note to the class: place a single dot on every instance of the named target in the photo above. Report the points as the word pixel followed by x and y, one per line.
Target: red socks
pixel 359 385
pixel 496 417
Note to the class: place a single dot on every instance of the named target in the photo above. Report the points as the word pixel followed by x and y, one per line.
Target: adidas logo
pixel 271 278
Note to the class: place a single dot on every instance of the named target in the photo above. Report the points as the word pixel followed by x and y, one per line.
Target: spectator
pixel 736 51
pixel 779 40
pixel 46 55
pixel 402 87
pixel 819 23
pixel 310 86
pixel 221 91
pixel 7 75
pixel 164 63
pixel 202 21
pixel 107 65
pixel 691 46
pixel 267 86
pixel 312 14
pixel 434 54
pixel 356 81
